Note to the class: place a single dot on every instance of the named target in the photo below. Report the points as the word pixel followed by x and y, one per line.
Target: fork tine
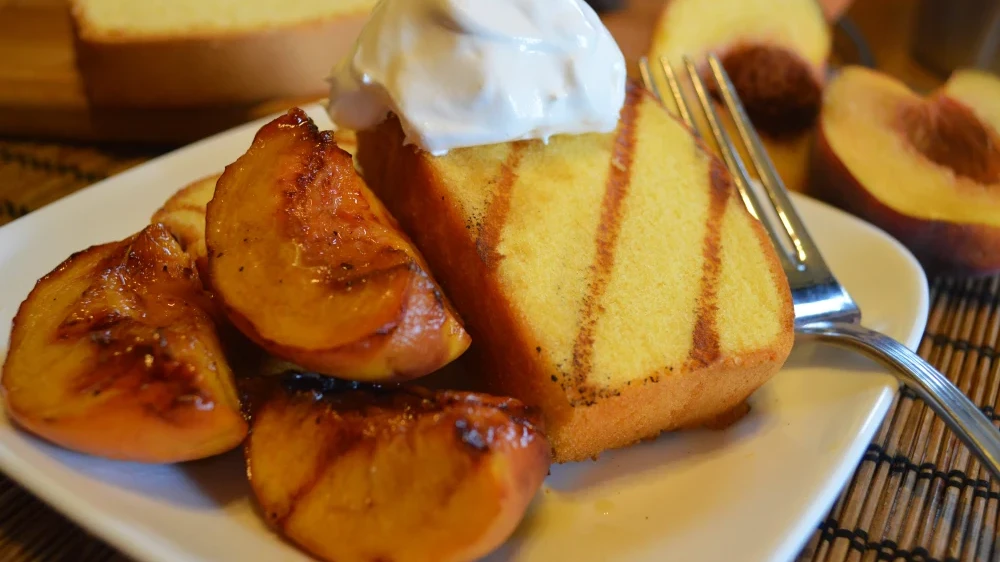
pixel 647 78
pixel 729 154
pixel 804 247
pixel 675 91
pixel 731 157
pixel 737 169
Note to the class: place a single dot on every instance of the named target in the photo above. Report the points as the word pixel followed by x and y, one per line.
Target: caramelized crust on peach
pixel 184 216
pixel 347 140
pixel 406 475
pixel 309 264
pixel 114 354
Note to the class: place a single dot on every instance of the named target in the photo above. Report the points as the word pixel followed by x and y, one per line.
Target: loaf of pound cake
pixel 197 53
pixel 614 280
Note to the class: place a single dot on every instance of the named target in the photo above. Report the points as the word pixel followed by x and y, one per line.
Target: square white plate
pixel 752 492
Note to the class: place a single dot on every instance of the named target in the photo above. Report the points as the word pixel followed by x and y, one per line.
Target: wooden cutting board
pixel 42 95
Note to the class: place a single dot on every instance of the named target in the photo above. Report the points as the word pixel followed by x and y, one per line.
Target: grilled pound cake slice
pixel 616 281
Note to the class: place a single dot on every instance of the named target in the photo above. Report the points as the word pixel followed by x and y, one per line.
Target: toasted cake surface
pixel 615 280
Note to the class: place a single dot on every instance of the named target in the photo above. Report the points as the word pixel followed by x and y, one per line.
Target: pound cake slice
pixel 185 53
pixel 614 280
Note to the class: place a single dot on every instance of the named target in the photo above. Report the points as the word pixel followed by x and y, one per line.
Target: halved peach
pixel 184 216
pixel 926 170
pixel 777 65
pixel 307 262
pixel 404 474
pixel 114 354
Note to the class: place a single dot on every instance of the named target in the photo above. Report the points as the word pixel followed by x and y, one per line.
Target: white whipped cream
pixel 463 73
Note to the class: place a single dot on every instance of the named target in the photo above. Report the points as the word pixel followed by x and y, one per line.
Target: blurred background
pixel 45 94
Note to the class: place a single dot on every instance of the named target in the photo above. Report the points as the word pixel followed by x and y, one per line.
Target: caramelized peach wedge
pixel 407 475
pixel 114 353
pixel 308 263
pixel 184 216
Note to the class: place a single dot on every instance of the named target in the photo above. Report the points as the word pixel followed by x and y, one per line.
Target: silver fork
pixel 823 308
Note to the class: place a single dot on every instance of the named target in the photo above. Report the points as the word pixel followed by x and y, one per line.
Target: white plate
pixel 753 492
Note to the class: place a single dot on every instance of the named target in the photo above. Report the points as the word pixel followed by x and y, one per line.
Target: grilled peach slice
pixel 184 216
pixel 406 475
pixel 115 354
pixel 307 262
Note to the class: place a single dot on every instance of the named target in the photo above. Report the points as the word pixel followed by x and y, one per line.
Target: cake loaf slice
pixel 197 53
pixel 614 280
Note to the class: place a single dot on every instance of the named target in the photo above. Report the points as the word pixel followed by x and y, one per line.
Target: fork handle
pixel 950 404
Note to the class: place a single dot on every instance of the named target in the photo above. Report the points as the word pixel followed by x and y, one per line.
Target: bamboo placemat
pixel 917 496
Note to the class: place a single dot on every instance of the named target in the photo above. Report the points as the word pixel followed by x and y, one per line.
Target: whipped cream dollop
pixel 461 73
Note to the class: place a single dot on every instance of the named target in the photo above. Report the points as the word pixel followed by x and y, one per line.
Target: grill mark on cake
pixel 705 345
pixel 606 241
pixel 498 207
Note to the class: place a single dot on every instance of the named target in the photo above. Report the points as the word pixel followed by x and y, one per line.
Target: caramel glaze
pixel 328 215
pixel 357 415
pixel 371 404
pixel 779 91
pixel 144 311
pixel 345 239
pixel 950 134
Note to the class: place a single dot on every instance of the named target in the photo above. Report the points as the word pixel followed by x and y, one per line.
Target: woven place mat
pixel 917 496
pixel 34 174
